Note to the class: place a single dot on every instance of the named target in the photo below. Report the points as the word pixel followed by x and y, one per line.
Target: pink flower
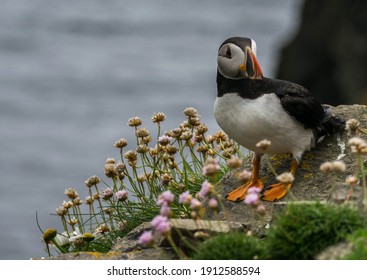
pixel 211 167
pixel 206 189
pixel 146 238
pixel 165 198
pixel 121 195
pixel 161 224
pixel 252 199
pixel 185 198
pixel 165 211
pixel 213 203
pixel 195 204
pixel 107 193
pixel 254 190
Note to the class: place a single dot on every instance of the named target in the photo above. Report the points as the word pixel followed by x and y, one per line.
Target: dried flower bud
pixel 120 168
pixel 103 228
pixel 96 196
pixel 77 201
pixel 146 140
pixel 210 139
pixel 201 234
pixel 109 211
pixel 142 132
pixel 263 144
pixel 339 166
pixel 121 195
pixel 73 221
pixel 136 121
pixel 107 193
pixel 171 150
pixel 285 178
pixel 191 112
pixel 175 133
pixel 326 167
pixel 202 149
pixel 234 162
pixel 109 170
pixel 142 149
pixel 351 180
pixel 220 137
pixel 121 143
pixel 201 129
pixel 158 117
pixel 110 161
pixel 352 126
pixel 89 200
pixel 186 135
pixel 194 121
pixel 61 211
pixel 92 181
pixel 131 155
pixel 67 204
pixel 71 193
pixel 166 179
pixel 358 145
pixel 244 176
pixel 153 151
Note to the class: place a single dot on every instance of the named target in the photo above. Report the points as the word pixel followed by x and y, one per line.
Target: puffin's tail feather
pixel 330 124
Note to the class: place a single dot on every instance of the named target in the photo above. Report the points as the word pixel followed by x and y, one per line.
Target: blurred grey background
pixel 73 72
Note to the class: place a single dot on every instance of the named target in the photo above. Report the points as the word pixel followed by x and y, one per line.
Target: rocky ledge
pixel 310 185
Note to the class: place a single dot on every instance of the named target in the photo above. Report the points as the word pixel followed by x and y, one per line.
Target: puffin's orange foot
pixel 240 193
pixel 276 192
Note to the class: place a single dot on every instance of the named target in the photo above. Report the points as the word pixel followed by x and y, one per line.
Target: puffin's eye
pixel 228 53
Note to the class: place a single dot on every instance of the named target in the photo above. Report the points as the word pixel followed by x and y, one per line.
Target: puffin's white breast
pixel 249 121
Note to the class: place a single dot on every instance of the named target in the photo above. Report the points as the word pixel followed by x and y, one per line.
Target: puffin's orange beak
pixel 253 68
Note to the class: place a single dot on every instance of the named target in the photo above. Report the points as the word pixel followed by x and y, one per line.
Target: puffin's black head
pixel 237 59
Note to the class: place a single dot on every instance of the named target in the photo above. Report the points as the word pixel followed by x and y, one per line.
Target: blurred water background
pixel 73 72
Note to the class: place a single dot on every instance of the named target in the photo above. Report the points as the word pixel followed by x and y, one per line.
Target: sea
pixel 73 72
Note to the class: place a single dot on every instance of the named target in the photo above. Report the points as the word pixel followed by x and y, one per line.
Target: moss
pixel 303 230
pixel 230 246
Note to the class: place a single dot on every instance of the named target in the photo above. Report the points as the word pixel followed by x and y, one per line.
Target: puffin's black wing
pixel 299 103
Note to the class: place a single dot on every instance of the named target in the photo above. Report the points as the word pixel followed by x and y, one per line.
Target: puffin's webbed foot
pixel 240 193
pixel 276 192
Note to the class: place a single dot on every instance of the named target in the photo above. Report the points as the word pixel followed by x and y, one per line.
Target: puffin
pixel 251 108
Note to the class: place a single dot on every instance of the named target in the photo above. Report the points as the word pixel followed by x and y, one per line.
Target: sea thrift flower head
pixel 166 211
pixel 326 167
pixel 163 227
pixel 166 179
pixel 110 161
pixel 234 162
pixel 77 201
pixel 67 204
pixel 211 167
pixel 165 198
pixel 103 228
pixel 142 149
pixel 285 178
pixel 263 144
pixel 254 190
pixel 142 132
pixel 135 121
pixel 120 168
pixel 261 209
pixel 92 181
pixel 146 239
pixel 206 189
pixel 339 166
pixel 252 199
pixel 49 235
pixel 158 117
pixel 71 193
pixel 109 170
pixel 352 126
pixel 61 211
pixel 89 200
pixel 73 221
pixel 201 129
pixel 131 155
pixel 121 195
pixel 107 193
pixel 195 204
pixel 121 143
pixel 164 140
pixel 185 198
pixel 244 176
pixel 191 112
pixel 351 180
pixel 213 204
pixel 358 145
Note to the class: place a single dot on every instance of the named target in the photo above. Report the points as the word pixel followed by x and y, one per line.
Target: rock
pixel 328 54
pixel 310 183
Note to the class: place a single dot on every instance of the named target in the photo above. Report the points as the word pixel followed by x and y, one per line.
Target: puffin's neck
pixel 246 88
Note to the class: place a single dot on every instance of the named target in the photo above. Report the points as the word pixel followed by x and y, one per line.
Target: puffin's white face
pixel 230 61
pixel 236 63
